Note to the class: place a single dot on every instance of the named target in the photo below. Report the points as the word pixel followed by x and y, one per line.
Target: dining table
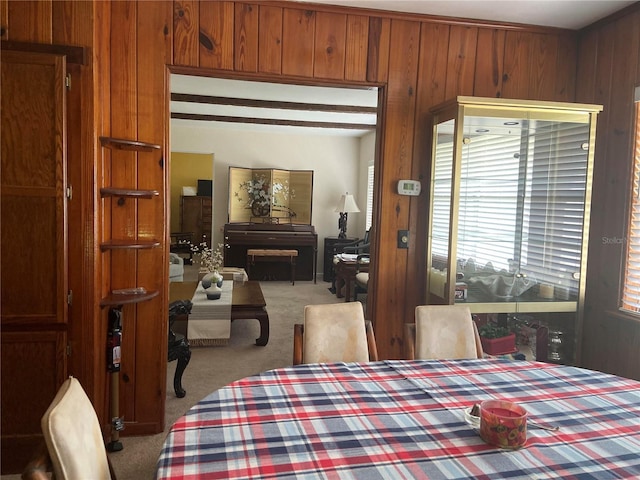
pixel 398 419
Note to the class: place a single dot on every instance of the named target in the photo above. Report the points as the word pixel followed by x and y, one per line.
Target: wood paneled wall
pixel 418 62
pixel 608 72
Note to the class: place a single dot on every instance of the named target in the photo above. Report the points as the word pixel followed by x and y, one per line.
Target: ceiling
pixel 260 106
pixel 571 14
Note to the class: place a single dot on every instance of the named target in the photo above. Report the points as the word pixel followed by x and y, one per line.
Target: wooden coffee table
pixel 247 302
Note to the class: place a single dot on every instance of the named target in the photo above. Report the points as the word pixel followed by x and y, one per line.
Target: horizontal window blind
pixel 521 200
pixel 368 221
pixel 631 290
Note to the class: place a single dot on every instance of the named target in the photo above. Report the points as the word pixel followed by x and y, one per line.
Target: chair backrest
pixel 446 332
pixel 336 333
pixel 73 436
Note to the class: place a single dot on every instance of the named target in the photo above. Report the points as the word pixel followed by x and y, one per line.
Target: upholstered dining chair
pixel 442 332
pixel 336 332
pixel 74 443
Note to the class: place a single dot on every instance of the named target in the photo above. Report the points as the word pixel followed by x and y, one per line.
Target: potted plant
pixel 497 340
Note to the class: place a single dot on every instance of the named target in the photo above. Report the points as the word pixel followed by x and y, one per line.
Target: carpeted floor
pixel 214 367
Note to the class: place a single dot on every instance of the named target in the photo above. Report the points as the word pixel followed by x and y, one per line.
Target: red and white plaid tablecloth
pixel 400 419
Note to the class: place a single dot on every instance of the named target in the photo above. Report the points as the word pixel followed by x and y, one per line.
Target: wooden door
pixel 34 312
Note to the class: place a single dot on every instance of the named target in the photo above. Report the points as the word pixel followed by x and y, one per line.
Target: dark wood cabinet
pixel 330 244
pixel 195 217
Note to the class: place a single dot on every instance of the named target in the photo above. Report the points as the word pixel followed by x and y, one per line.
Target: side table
pixel 330 243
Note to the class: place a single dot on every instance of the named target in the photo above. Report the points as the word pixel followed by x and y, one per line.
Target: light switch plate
pixel 403 238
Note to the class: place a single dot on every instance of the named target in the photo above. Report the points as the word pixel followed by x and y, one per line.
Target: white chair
pixel 442 332
pixel 74 443
pixel 176 268
pixel 334 332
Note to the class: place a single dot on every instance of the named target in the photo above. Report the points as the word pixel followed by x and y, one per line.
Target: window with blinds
pixel 631 289
pixel 522 199
pixel 369 213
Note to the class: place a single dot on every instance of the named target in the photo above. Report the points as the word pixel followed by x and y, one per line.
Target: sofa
pixel 176 268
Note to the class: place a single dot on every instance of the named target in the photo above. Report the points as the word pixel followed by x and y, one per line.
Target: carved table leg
pixel 184 356
pixel 263 318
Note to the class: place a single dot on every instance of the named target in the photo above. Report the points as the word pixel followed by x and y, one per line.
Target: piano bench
pixel 272 255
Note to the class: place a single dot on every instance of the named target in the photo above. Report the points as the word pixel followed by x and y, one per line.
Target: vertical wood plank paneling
pixel 216 34
pixel 185 32
pixel 298 35
pixel 356 55
pixel 330 46
pixel 378 51
pixel 565 69
pixel 391 310
pixel 432 74
pixel 586 70
pixel 543 54
pixel 462 60
pixel 30 21
pixel 516 65
pixel 270 40
pixel 124 100
pixel 489 63
pixel 4 20
pixel 66 29
pixel 98 115
pixel 246 37
pixel 154 51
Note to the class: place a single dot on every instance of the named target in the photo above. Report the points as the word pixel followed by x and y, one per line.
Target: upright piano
pixel 239 237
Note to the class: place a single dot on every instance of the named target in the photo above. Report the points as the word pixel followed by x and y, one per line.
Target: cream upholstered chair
pixel 442 331
pixel 74 444
pixel 334 332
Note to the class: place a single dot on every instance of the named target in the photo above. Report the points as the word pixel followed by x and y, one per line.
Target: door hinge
pixel 69 192
pixel 68 349
pixel 67 81
pixel 70 298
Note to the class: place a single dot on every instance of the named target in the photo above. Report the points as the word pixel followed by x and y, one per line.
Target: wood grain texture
pixel 246 37
pixel 394 209
pixel 185 32
pixel 517 65
pixel 298 33
pixel 355 67
pixel 608 59
pixel 68 31
pixel 154 52
pixel 461 61
pixel 216 34
pixel 565 71
pixel 489 63
pixel 270 40
pixel 542 79
pixel 330 45
pixel 378 56
pixel 30 21
pixel 4 19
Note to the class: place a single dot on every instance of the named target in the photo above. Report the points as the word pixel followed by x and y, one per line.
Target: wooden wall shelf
pixel 123 244
pixel 127 192
pixel 113 300
pixel 124 144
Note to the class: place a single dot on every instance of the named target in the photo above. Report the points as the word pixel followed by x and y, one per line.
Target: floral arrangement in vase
pixel 211 262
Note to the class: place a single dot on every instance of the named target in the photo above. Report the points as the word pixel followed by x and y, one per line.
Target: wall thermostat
pixel 409 187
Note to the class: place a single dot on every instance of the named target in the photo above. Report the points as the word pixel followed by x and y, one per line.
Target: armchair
pixel 356 247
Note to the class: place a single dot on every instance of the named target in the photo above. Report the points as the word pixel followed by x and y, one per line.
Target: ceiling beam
pixel 245 102
pixel 271 121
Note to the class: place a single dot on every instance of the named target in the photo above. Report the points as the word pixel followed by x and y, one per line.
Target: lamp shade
pixel 347 204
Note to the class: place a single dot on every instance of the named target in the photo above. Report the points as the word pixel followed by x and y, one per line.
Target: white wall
pixel 335 161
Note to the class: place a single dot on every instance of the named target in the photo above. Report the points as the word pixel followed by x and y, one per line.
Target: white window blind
pixel 521 200
pixel 369 213
pixel 631 289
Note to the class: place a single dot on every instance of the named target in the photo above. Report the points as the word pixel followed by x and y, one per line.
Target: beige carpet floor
pixel 214 367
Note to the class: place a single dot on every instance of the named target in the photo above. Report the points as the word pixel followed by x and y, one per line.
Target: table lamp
pixel 347 204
